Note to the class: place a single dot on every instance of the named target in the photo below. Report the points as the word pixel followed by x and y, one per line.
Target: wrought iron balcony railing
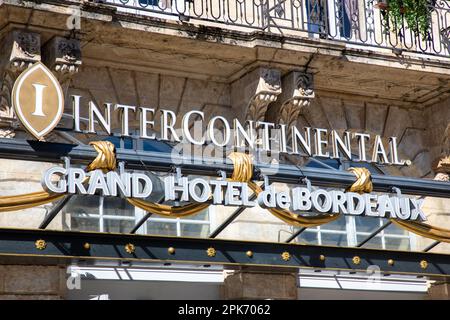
pixel 359 22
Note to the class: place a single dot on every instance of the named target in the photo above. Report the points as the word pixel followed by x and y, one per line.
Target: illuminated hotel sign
pixel 38 102
pixel 255 135
pixel 232 193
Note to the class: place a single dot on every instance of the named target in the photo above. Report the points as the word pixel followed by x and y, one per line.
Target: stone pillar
pixel 436 209
pixel 440 291
pixel 23 282
pixel 441 165
pixel 298 92
pixel 296 97
pixel 258 284
pixel 20 49
pixel 63 57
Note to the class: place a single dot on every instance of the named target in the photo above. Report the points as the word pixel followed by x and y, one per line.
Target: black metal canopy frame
pixel 45 246
pixel 165 162
pixel 65 247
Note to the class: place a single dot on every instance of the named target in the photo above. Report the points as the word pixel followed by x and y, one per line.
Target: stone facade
pixel 259 284
pixel 20 282
pixel 122 58
pixel 439 291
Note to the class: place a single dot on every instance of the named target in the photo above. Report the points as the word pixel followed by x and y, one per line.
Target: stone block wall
pixel 151 90
pixel 32 282
pixel 23 177
pixel 438 129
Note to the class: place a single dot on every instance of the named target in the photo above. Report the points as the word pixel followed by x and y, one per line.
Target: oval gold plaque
pixel 38 100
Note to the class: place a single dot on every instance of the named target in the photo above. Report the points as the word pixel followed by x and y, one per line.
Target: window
pixel 334 233
pixel 316 13
pixel 139 144
pixel 109 214
pixel 347 10
pixel 114 214
pixel 103 214
pixel 351 230
pixel 146 3
pixel 332 18
pixel 194 226
pixel 389 238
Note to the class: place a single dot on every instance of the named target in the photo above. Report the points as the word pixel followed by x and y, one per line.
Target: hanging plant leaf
pixel 416 14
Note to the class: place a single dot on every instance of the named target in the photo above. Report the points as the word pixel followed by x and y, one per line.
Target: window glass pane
pixel 308 237
pixel 84 224
pixel 339 224
pixel 366 224
pixel 373 243
pixel 333 239
pixel 114 140
pixel 120 226
pixel 127 143
pixel 83 205
pixel 164 228
pixel 373 169
pixel 317 163
pixel 157 146
pixel 393 229
pixel 345 23
pixel 146 3
pixel 202 216
pixel 316 16
pixel 117 207
pixel 194 230
pixel 397 243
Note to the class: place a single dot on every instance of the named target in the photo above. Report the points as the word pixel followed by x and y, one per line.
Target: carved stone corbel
pixel 298 91
pixel 63 57
pixel 442 169
pixel 255 91
pixel 442 165
pixel 267 90
pixel 20 50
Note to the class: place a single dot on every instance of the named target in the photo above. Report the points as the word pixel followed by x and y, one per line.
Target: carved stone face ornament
pixel 69 51
pixel 28 44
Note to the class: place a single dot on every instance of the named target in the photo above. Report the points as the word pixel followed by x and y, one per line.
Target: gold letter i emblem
pixel 38 100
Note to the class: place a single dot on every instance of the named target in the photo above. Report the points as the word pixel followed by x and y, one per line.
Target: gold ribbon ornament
pixel 105 160
pixel 106 157
pixel 424 230
pixel 26 201
pixel 169 211
pixel 363 183
pixel 243 170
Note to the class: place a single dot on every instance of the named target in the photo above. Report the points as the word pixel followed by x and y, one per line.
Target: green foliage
pixel 416 13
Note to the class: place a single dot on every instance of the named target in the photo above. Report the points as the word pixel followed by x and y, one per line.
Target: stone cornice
pixel 104 12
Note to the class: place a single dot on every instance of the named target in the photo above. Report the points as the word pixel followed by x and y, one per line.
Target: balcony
pixel 364 23
pixel 206 42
